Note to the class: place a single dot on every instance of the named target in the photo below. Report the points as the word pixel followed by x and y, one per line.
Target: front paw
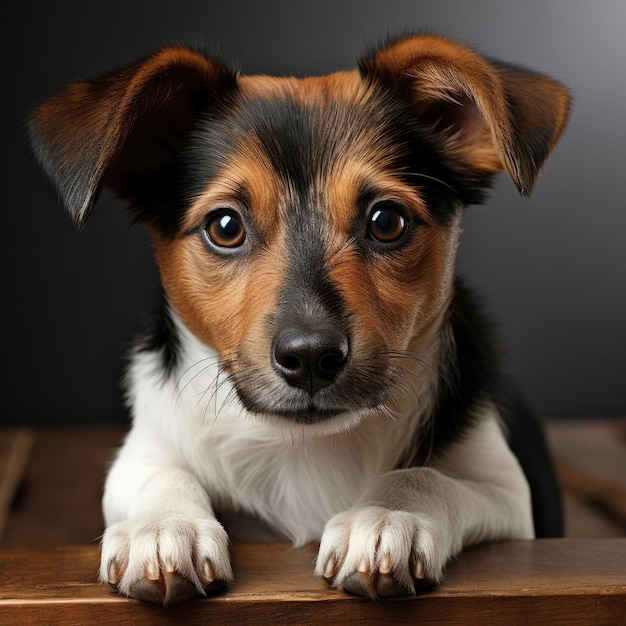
pixel 375 552
pixel 166 560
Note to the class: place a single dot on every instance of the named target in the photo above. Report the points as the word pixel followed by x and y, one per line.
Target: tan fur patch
pixel 305 165
pixel 438 70
pixel 227 302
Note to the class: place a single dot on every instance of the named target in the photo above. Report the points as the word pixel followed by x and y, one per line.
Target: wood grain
pixel 61 498
pixel 555 581
pixel 15 448
pixel 569 582
pixel 590 458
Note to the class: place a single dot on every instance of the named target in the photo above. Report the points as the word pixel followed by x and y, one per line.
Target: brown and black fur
pixel 420 129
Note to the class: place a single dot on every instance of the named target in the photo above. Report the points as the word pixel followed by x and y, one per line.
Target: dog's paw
pixel 375 552
pixel 166 561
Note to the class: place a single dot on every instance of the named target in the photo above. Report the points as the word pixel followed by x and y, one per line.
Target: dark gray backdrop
pixel 551 269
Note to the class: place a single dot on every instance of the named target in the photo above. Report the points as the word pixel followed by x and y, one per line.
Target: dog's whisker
pixel 430 367
pixel 412 383
pixel 436 180
pixel 388 411
pixel 210 392
pixel 210 359
pixel 206 364
pixel 231 398
pixel 426 361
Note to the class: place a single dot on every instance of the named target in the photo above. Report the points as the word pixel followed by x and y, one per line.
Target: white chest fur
pixel 290 477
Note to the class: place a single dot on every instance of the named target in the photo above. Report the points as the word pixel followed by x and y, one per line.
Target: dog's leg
pixel 162 543
pixel 400 535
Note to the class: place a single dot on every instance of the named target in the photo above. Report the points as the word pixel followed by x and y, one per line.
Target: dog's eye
pixel 388 222
pixel 225 230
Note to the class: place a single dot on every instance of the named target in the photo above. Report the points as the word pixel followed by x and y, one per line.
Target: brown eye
pixel 388 223
pixel 225 230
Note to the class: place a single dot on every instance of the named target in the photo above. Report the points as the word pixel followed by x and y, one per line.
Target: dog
pixel 318 371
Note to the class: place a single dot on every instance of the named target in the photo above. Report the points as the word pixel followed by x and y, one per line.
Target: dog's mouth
pixel 354 391
pixel 307 415
pixel 297 406
pixel 311 374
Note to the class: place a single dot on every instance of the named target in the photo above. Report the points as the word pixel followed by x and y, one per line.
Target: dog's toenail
pixel 385 565
pixel 418 569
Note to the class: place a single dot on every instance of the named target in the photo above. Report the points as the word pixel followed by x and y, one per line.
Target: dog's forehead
pixel 300 143
pixel 298 135
pixel 307 126
pixel 346 86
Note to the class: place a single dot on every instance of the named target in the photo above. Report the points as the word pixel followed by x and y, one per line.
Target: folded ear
pixel 489 115
pixel 128 123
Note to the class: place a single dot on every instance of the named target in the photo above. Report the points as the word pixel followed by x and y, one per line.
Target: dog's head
pixel 304 228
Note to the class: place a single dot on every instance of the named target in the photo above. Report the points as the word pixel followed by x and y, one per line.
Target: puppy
pixel 317 368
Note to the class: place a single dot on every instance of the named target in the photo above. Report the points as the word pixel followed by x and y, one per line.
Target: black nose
pixel 310 358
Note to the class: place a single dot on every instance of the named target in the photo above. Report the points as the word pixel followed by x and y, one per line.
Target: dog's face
pixel 305 228
pixel 314 253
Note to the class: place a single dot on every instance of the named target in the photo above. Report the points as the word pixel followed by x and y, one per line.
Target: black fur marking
pixel 162 198
pixel 300 149
pixel 162 338
pixel 468 374
pixel 292 138
pixel 528 442
pixel 471 373
pixel 421 159
pixel 303 143
pixel 308 286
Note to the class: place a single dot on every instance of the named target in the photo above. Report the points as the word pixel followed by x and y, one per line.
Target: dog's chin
pixel 333 409
pixel 308 424
pixel 308 419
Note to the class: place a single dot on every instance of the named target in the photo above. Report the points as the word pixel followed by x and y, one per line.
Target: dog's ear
pixel 126 124
pixel 490 115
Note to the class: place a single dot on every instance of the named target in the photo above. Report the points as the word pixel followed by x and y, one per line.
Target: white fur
pixel 294 477
pixel 193 449
pixel 412 521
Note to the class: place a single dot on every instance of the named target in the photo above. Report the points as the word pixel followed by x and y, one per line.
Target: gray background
pixel 551 270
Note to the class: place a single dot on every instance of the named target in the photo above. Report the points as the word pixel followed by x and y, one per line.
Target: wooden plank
pixel 603 493
pixel 595 446
pixel 61 500
pixel 584 521
pixel 590 458
pixel 15 449
pixel 555 581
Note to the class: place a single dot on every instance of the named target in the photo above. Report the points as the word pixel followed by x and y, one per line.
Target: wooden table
pixel 50 488
pixel 556 581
